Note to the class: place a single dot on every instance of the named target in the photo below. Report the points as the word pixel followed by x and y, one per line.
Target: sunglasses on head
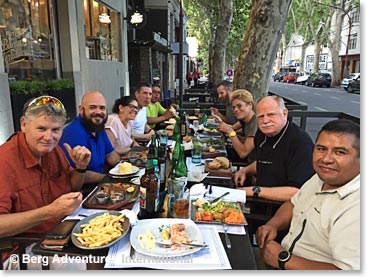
pixel 44 101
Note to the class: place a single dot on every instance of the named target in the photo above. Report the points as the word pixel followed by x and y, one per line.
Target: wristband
pixel 79 170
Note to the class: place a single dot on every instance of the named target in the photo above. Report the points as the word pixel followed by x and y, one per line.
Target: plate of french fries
pixel 100 230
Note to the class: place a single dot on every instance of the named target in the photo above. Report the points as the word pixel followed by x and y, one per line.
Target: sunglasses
pixel 44 101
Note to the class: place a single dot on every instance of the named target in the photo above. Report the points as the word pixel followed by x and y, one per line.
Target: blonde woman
pixel 243 107
pixel 118 126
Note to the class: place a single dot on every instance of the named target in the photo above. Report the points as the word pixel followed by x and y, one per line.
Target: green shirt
pixel 155 110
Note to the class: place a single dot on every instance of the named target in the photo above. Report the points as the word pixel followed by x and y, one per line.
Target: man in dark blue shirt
pixel 88 130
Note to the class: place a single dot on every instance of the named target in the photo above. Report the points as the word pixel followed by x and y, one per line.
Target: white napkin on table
pixel 131 215
pixel 235 195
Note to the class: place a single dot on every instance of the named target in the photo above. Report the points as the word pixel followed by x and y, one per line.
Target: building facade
pixel 350 59
pixel 94 43
pixel 46 39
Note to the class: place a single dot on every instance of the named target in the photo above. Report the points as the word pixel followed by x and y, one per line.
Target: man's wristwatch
pixel 79 170
pixel 232 134
pixel 256 190
pixel 283 257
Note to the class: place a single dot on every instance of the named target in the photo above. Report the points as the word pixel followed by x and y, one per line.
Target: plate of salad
pixel 220 212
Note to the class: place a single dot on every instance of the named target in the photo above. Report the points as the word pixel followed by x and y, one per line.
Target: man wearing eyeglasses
pixel 156 114
pixel 324 215
pixel 88 129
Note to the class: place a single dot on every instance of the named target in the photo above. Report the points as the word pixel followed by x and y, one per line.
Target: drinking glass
pixel 178 203
pixel 195 125
pixel 197 150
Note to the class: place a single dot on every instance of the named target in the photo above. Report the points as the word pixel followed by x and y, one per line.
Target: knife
pixel 216 199
pixel 132 252
pixel 168 245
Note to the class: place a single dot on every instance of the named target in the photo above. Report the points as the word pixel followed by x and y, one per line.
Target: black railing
pixel 303 115
pixel 208 98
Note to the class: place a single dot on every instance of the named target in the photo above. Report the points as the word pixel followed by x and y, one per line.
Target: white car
pixel 351 77
pixel 302 78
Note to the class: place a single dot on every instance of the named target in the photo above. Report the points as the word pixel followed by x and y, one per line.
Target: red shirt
pixel 27 185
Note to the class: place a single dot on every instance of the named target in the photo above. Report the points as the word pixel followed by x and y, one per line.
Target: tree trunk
pixel 221 38
pixel 265 27
pixel 316 53
pixel 211 55
pixel 303 54
pixel 334 40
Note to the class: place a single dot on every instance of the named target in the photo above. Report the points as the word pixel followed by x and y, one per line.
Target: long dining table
pixel 240 255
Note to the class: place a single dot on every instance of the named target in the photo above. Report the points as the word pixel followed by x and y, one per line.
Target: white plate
pixel 155 225
pixel 115 171
pixel 76 229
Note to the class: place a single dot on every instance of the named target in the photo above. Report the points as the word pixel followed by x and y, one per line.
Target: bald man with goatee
pixel 88 130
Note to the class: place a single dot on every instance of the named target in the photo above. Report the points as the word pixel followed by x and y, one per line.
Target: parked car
pixel 279 76
pixel 319 79
pixel 353 85
pixel 302 78
pixel 351 77
pixel 291 77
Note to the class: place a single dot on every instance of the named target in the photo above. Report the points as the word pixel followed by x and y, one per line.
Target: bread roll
pixel 214 164
pixel 224 162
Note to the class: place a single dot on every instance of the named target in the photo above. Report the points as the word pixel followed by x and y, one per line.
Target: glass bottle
pixel 183 124
pixel 181 167
pixel 175 157
pixel 204 118
pixel 153 149
pixel 162 156
pixel 149 193
pixel 177 131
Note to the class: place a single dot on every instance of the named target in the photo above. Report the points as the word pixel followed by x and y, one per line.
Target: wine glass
pixel 195 126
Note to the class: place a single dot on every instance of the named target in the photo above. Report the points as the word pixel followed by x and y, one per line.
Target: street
pixel 318 99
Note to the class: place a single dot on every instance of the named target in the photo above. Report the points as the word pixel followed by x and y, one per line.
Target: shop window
pixel 27 44
pixel 102 31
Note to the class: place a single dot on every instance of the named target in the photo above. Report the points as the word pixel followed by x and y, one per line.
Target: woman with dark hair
pixel 118 126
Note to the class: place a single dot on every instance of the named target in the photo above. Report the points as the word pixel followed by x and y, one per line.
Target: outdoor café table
pixel 240 256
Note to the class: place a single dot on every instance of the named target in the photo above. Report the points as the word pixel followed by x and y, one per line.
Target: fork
pixel 228 241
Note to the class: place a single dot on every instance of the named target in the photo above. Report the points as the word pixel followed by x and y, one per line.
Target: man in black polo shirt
pixel 283 154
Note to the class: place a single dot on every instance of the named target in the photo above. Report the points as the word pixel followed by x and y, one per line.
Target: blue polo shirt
pixel 99 145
